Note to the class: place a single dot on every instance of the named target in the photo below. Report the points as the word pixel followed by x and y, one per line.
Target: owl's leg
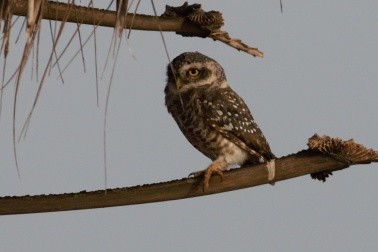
pixel 216 167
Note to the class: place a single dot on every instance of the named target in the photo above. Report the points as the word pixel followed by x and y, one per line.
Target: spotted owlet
pixel 214 119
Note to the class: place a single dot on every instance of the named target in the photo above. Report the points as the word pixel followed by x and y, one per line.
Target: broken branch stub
pixel 200 23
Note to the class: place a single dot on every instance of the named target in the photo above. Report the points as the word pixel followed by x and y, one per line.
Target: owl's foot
pixel 215 168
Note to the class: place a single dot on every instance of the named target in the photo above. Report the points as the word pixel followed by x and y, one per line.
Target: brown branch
pixel 313 160
pixel 186 20
pixel 93 16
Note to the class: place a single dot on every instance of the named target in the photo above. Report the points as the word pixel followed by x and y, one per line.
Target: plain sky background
pixel 319 75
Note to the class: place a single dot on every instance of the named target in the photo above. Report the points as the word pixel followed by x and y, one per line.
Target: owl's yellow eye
pixel 193 72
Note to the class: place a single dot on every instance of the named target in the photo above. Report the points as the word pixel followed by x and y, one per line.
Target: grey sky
pixel 319 75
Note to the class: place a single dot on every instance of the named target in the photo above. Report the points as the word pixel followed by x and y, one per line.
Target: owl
pixel 213 118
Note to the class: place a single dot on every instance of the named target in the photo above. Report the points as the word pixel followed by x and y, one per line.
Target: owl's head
pixel 194 70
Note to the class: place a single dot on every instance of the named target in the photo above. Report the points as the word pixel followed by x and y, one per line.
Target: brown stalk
pixel 319 158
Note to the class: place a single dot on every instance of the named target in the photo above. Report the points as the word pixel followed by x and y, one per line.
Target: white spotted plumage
pixel 211 115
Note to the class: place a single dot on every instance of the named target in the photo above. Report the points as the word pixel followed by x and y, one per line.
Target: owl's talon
pixel 210 171
pixel 196 174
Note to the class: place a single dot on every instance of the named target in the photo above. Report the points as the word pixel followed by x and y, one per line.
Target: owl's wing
pixel 228 114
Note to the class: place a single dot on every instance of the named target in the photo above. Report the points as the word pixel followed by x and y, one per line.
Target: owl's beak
pixel 179 83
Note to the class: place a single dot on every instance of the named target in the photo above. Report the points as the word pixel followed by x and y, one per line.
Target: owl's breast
pixel 189 112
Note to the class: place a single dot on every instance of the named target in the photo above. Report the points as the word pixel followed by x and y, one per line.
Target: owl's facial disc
pixel 197 74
